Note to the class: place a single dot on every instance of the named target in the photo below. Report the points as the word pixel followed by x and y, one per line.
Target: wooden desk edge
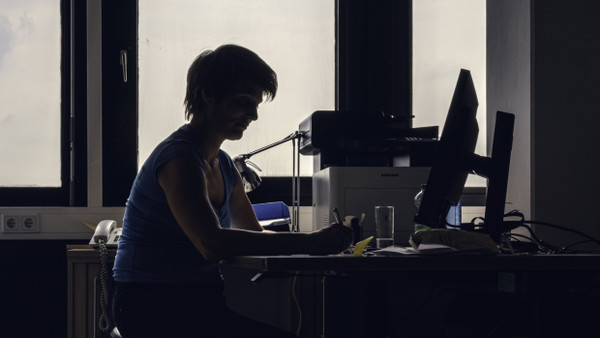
pixel 417 263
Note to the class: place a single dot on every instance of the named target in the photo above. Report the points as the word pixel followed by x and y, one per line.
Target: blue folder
pixel 273 216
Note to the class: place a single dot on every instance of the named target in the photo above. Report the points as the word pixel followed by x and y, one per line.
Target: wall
pixel 508 89
pixel 542 65
pixel 33 281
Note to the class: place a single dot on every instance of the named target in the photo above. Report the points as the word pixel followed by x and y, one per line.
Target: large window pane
pixel 30 93
pixel 448 36
pixel 296 38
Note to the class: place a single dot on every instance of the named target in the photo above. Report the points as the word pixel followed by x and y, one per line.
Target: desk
pixel 347 263
pixel 84 290
pixel 523 295
pixel 538 289
pixel 268 301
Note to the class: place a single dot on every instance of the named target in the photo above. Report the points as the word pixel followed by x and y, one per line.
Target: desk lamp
pixel 252 180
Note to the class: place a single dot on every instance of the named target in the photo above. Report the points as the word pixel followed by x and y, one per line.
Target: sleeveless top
pixel 153 248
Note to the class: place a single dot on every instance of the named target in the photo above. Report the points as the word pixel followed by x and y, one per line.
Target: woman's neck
pixel 206 140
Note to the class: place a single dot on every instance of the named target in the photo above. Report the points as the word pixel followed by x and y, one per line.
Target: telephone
pixel 107 231
pixel 105 237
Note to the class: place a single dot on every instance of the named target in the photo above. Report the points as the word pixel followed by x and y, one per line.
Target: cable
pixel 478 224
pixel 521 236
pixel 533 236
pixel 508 225
pixel 103 322
pixel 528 239
pixel 544 246
pixel 582 242
pixel 592 239
pixel 297 303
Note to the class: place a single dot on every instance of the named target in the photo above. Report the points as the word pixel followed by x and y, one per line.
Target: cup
pixel 384 226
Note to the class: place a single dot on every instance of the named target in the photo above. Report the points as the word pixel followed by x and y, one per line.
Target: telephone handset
pixel 106 231
pixel 105 237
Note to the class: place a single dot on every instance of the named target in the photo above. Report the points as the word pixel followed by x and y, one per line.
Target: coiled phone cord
pixel 104 321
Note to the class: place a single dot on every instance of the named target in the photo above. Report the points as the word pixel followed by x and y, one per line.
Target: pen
pixel 336 214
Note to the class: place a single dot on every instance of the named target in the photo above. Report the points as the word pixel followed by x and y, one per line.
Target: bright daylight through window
pixel 296 38
pixel 30 93
pixel 448 36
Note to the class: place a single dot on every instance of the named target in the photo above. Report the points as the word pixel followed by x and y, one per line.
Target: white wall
pixel 542 66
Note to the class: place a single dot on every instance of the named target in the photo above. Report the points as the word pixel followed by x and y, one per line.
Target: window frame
pixel 72 136
pixel 366 34
pixel 119 101
pixel 372 57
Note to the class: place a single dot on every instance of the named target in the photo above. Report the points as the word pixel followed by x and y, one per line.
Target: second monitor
pixel 455 158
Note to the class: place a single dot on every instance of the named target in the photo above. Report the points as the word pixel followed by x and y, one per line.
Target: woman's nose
pixel 252 113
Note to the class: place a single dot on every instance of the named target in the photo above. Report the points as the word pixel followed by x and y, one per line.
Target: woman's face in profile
pixel 231 116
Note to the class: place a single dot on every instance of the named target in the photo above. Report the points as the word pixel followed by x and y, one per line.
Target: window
pixel 71 161
pixel 36 72
pixel 30 92
pixel 448 36
pixel 296 38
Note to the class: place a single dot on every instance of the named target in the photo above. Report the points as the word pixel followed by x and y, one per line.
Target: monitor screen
pixel 459 137
pixel 455 158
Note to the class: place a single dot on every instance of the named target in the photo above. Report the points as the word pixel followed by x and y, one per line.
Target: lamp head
pixel 250 177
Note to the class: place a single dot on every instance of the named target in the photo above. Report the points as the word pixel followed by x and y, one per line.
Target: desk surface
pixel 348 263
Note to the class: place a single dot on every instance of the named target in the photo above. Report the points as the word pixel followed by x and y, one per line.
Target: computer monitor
pixel 455 158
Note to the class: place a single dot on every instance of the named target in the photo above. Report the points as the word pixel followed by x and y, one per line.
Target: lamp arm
pixel 252 180
pixel 294 135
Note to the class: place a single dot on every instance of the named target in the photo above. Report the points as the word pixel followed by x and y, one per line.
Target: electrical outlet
pixel 10 223
pixel 20 223
pixel 29 223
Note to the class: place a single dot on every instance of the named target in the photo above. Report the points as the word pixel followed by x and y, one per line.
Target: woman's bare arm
pixel 242 212
pixel 184 184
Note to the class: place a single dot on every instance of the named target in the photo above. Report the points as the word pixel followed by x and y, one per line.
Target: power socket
pixel 10 223
pixel 20 223
pixel 29 223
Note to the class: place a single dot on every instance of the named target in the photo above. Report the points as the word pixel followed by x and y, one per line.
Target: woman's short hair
pixel 220 72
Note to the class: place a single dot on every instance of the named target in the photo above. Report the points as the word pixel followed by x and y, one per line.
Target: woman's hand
pixel 331 240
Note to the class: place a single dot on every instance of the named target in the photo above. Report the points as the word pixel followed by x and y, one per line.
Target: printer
pixel 365 160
